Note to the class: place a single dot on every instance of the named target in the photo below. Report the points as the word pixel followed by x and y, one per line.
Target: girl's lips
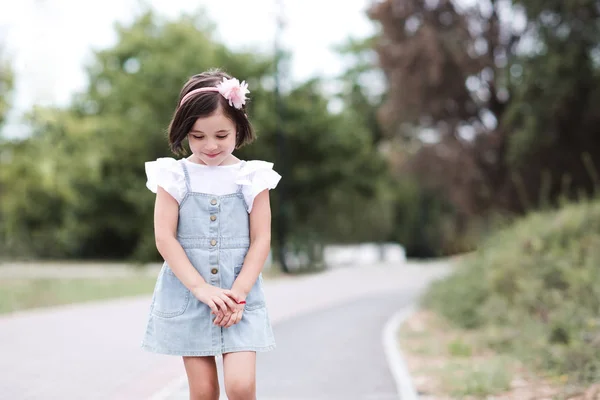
pixel 211 155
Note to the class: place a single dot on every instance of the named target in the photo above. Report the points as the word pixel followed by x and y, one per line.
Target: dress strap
pixel 188 186
pixel 239 187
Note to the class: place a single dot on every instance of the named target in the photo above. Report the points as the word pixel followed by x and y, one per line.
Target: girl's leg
pixel 240 375
pixel 202 378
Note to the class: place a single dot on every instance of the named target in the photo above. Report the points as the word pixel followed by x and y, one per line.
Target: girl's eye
pixel 222 137
pixel 197 137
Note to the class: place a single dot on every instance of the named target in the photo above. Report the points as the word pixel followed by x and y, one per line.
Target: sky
pixel 50 41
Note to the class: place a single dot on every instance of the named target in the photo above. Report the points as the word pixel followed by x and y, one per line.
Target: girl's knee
pixel 204 390
pixel 202 378
pixel 240 389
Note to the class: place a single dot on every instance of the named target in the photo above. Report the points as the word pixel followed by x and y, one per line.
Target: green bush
pixel 533 289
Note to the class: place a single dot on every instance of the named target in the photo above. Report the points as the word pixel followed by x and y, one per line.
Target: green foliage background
pixel 532 289
pixel 75 186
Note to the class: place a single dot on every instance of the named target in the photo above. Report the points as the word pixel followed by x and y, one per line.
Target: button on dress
pixel 214 232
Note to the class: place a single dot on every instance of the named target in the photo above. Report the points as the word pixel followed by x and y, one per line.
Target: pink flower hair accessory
pixel 233 91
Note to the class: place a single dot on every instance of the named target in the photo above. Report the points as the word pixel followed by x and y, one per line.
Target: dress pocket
pixel 256 297
pixel 171 297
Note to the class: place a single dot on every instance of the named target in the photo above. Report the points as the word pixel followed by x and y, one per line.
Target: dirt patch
pixel 447 363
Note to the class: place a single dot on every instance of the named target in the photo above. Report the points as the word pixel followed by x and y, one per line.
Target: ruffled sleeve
pixel 256 176
pixel 168 174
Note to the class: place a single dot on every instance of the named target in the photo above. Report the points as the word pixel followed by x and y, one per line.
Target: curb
pixel 404 384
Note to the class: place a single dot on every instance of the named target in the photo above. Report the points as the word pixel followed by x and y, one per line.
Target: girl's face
pixel 212 140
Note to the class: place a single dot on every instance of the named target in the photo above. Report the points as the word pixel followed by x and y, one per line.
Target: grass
pixel 530 293
pixel 447 362
pixel 532 290
pixel 20 294
pixel 466 378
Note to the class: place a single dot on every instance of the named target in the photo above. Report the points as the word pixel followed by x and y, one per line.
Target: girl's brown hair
pixel 204 104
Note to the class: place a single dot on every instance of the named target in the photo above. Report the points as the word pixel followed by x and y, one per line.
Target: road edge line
pixel 393 353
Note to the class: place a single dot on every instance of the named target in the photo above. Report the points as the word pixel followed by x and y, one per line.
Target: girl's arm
pixel 166 215
pixel 260 244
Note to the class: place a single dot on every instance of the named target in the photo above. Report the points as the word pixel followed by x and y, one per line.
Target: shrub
pixel 534 289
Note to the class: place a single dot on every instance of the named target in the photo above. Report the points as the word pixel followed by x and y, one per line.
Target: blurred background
pixel 422 123
pixel 439 127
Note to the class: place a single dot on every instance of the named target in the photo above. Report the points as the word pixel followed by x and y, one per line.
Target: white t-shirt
pixel 253 176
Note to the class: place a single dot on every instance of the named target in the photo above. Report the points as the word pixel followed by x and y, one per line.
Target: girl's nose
pixel 211 146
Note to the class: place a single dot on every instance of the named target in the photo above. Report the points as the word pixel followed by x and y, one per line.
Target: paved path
pixel 92 351
pixel 333 354
pixel 330 354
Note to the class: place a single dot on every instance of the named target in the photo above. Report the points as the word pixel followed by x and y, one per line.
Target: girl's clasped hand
pixel 226 305
pixel 229 318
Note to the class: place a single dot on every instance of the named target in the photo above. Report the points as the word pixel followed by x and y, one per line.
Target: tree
pixel 553 118
pixel 362 83
pixel 134 88
pixel 93 153
pixel 337 179
pixel 49 175
pixel 415 212
pixel 94 204
pixel 6 86
pixel 495 99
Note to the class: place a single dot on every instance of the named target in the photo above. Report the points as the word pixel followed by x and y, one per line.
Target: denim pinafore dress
pixel 214 231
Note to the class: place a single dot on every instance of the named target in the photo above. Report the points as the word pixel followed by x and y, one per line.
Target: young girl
pixel 212 223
